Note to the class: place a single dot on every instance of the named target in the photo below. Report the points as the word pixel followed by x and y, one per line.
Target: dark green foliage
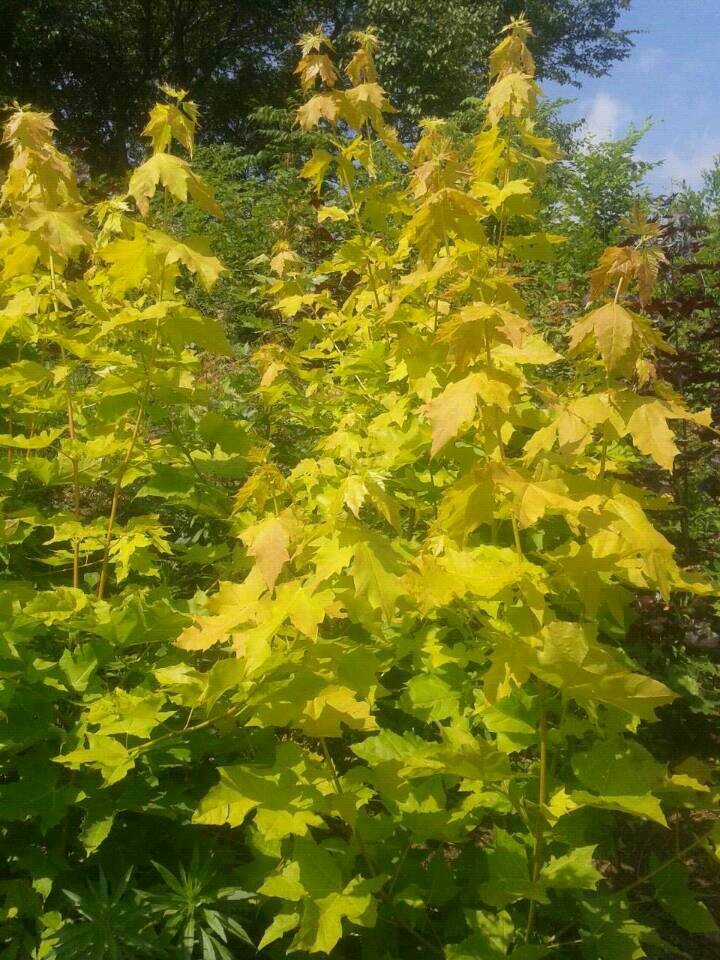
pixel 97 63
pixel 434 53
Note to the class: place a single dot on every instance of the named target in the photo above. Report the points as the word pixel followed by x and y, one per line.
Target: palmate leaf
pixel 649 429
pixel 451 410
pixel 480 572
pixel 571 660
pixel 509 873
pixel 511 96
pixel 618 767
pixel 184 326
pixel 621 775
pixel 60 231
pixel 466 505
pixel 176 176
pixel 207 269
pixel 283 798
pixel 316 703
pixel 674 895
pixel 38 794
pixel 172 121
pixel 323 106
pixel 373 570
pixel 614 331
pixel 317 167
pixel 38 441
pixel 267 542
pixel 460 755
pixel 102 753
pixel 228 609
pixel 121 712
pixel 455 407
pixel 313 879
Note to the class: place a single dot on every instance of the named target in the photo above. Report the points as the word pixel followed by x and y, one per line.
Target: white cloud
pixel 687 163
pixel 604 116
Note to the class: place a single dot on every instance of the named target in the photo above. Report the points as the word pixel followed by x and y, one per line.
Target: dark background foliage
pixel 96 64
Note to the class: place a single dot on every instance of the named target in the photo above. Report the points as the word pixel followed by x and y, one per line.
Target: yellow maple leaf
pixel 613 329
pixel 323 106
pixel 511 96
pixel 267 542
pixel 170 121
pixel 316 66
pixel 60 231
pixel 175 175
pixel 649 429
pixel 450 410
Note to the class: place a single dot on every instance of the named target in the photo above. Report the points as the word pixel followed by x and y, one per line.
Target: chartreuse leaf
pixel 317 708
pixel 54 606
pixel 283 797
pixel 78 666
pixel 451 410
pixel 175 175
pixel 572 871
pixel 394 760
pixel 513 720
pixel 172 121
pixel 375 573
pixel 184 326
pixel 283 922
pixel 609 930
pixel 38 441
pixel 429 697
pixel 102 753
pixel 509 873
pixel 621 775
pixel 613 328
pixel 313 879
pixel 493 933
pixel 649 429
pixel 585 670
pixel 231 607
pixel 121 712
pixel 37 793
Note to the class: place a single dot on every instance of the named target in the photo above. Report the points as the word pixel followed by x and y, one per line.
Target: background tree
pixel 96 63
pixel 434 55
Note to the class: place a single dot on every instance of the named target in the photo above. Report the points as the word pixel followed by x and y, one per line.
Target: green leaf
pixel 78 666
pixel 102 753
pixel 313 878
pixel 429 697
pixel 623 774
pixel 673 893
pixel 618 767
pixel 572 871
pixel 509 875
pixel 373 571
pixel 282 797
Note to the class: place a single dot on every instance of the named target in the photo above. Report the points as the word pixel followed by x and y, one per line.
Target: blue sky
pixel 672 76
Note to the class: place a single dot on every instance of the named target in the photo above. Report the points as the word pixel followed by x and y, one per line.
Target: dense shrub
pixel 325 649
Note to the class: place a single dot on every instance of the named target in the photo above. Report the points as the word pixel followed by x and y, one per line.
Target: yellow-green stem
pixel 339 791
pixel 371 275
pixel 71 433
pixel 542 796
pixel 102 582
pixel 116 499
pixel 503 459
